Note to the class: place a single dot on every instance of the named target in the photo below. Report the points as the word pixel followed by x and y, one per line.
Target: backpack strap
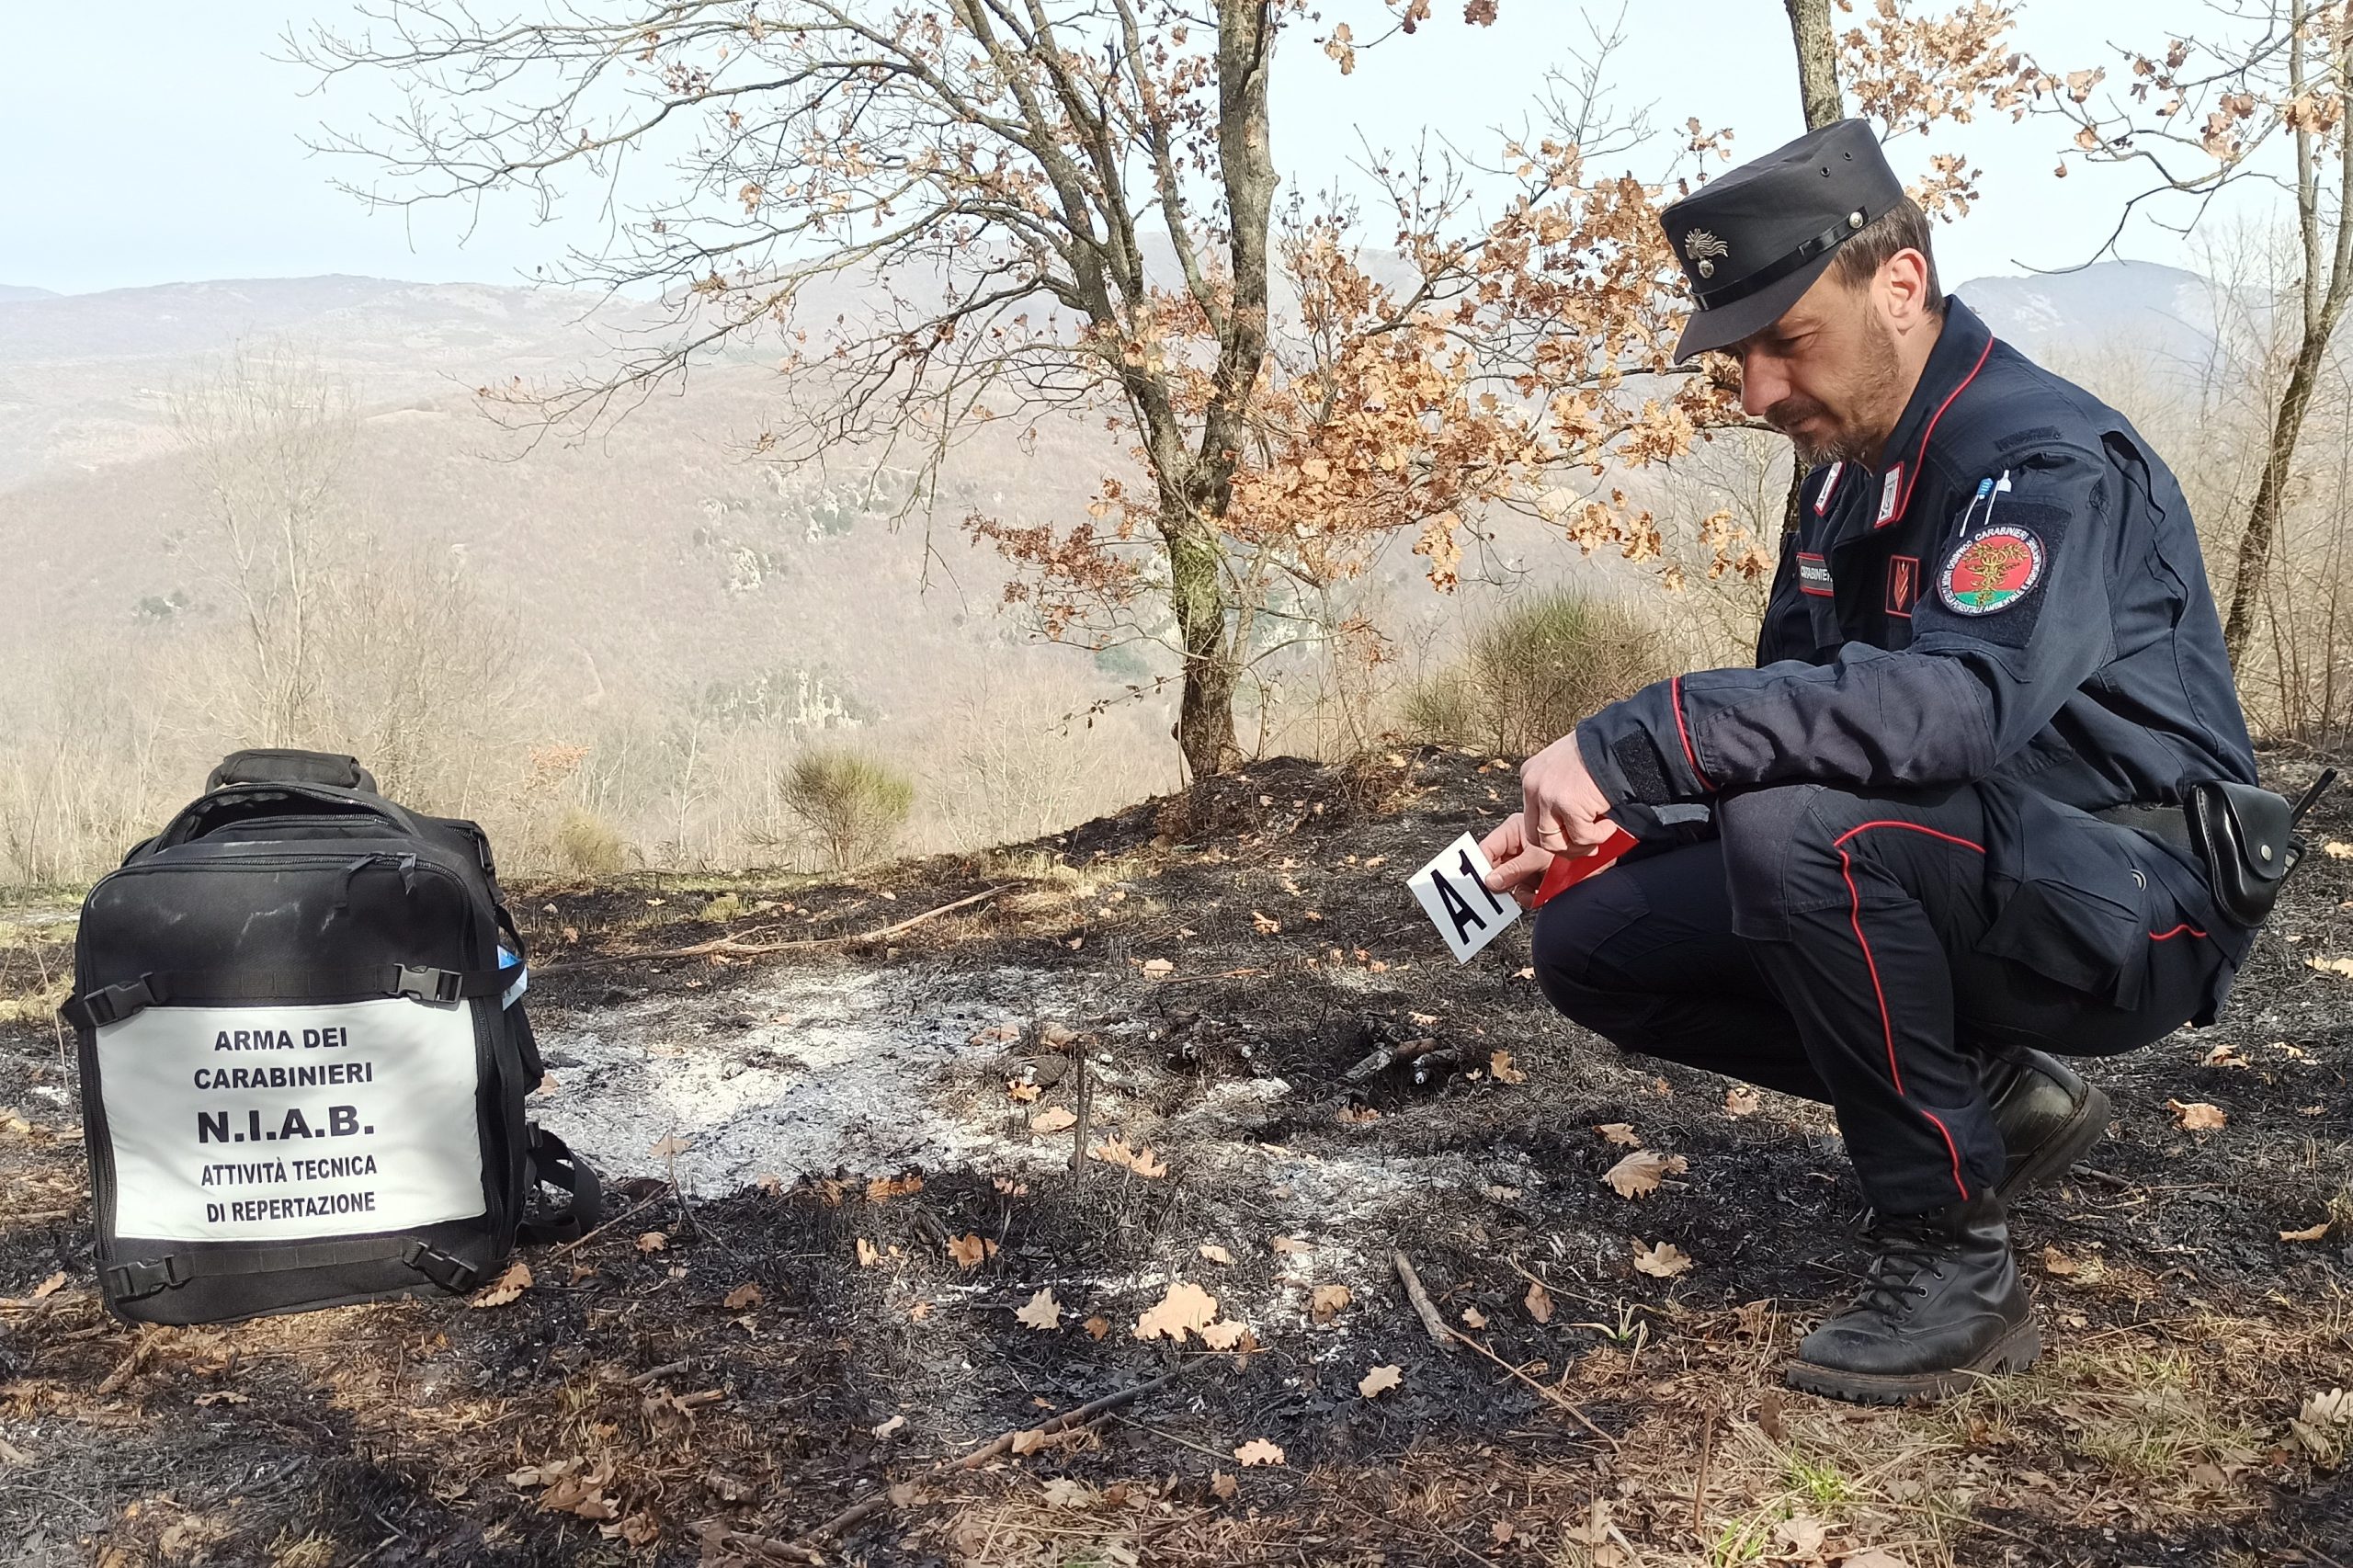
pixel 145 1277
pixel 553 1163
pixel 112 1004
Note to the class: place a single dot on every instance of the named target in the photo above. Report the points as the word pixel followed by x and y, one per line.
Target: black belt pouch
pixel 2247 837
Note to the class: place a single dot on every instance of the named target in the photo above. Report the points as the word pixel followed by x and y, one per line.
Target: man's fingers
pixel 1521 868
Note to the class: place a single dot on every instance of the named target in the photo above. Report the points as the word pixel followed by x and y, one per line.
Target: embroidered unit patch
pixel 1994 569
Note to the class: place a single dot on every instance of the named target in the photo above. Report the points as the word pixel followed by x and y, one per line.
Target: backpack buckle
pixel 144 1277
pixel 426 983
pixel 115 1003
pixel 451 1274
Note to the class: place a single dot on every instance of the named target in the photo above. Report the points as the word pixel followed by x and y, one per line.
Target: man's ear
pixel 1903 286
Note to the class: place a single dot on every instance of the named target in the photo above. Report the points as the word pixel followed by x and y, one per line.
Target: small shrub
pixel 587 846
pixel 725 907
pixel 853 805
pixel 1536 668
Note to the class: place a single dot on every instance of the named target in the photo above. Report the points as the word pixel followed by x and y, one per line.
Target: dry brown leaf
pixel 1538 1302
pixel 1802 1535
pixel 1015 1089
pixel 1357 1115
pixel 2338 849
pixel 1097 1328
pixel 1057 1120
pixel 1617 1132
pixel 49 1287
pixel 869 1255
pixel 2058 1263
pixel 1215 1253
pixel 1326 1302
pixel 1186 1309
pixel 745 1295
pixel 1289 1245
pixel 670 1147
pixel 2317 1233
pixel 1379 1381
pixel 1042 1312
pixel 1228 1335
pixel 995 1034
pixel 2197 1116
pixel 1499 1063
pixel 507 1287
pixel 1222 1485
pixel 1741 1101
pixel 1473 1318
pixel 1010 1187
pixel 1067 1492
pixel 1639 1173
pixel 652 1241
pixel 1115 1151
pixel 969 1251
pixel 893 1425
pixel 1872 1557
pixel 1158 966
pixel 1664 1261
pixel 1258 1450
pixel 1265 925
pixel 881 1189
pixel 2333 966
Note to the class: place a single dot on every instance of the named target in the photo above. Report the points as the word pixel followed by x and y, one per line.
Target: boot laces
pixel 1904 1250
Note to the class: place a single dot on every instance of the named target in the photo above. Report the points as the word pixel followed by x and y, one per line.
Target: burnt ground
pixel 831 1206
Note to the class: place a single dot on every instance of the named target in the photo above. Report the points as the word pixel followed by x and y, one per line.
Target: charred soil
pixel 887 1188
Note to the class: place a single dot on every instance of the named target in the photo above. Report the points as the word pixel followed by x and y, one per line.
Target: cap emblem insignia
pixel 1701 246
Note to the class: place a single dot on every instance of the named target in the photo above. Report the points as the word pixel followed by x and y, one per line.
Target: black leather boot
pixel 2049 1116
pixel 1943 1308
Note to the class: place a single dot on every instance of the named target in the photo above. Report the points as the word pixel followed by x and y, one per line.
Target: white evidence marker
pixel 1454 893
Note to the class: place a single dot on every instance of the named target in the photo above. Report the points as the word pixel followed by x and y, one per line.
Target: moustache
pixel 1793 411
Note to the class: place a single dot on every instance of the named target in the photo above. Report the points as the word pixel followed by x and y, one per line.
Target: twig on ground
pixel 1423 1306
pixel 1078 1130
pixel 731 945
pixel 875 1501
pixel 629 1214
pixel 1700 1482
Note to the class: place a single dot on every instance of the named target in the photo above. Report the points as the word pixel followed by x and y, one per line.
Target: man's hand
pixel 1518 867
pixel 1566 812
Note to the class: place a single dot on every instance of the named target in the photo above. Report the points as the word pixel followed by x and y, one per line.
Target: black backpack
pixel 303 1055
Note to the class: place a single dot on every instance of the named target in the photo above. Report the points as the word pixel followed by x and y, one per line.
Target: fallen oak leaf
pixel 1215 1253
pixel 1289 1245
pixel 1222 1485
pixel 1499 1063
pixel 2198 1116
pixel 1741 1101
pixel 1538 1302
pixel 969 1251
pixel 883 1188
pixel 745 1295
pixel 1056 1119
pixel 1664 1261
pixel 1617 1132
pixel 1379 1381
pixel 1258 1450
pixel 49 1287
pixel 1326 1302
pixel 2317 1233
pixel 1042 1312
pixel 1115 1151
pixel 1186 1309
pixel 652 1241
pixel 1097 1328
pixel 1639 1173
pixel 1015 1089
pixel 506 1287
pixel 1226 1334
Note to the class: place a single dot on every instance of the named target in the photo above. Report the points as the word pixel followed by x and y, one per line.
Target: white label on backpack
pixel 273 1123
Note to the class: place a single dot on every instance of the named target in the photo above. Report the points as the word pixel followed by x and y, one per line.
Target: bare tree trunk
pixel 1817 61
pixel 2323 308
pixel 1205 713
pixel 1817 51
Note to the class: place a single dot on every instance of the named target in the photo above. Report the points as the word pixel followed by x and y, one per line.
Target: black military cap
pixel 1753 239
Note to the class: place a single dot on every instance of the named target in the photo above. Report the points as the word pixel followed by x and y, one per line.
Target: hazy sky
pixel 183 158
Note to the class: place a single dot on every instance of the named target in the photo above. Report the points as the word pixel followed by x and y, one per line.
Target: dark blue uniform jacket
pixel 2017 600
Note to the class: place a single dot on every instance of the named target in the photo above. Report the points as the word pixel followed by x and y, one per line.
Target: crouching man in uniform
pixel 1938 831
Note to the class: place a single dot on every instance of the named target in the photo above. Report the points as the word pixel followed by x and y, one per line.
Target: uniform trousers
pixel 1825 943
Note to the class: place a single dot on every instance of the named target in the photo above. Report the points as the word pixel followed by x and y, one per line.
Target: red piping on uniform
pixel 1674 696
pixel 1914 477
pixel 1886 1025
pixel 2176 931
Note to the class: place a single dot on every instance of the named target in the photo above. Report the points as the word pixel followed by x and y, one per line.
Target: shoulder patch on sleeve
pixel 2012 440
pixel 1992 569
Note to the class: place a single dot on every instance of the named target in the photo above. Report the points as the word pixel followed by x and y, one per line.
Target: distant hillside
pixel 10 293
pixel 2160 313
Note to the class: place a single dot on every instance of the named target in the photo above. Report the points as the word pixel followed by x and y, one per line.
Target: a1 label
pixel 1454 892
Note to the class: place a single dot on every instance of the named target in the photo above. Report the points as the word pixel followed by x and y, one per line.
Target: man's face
pixel 1826 374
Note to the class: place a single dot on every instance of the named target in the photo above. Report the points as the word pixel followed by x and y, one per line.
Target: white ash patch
pixel 807 1071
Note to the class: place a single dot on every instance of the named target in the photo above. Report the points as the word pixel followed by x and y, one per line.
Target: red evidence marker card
pixel 1567 870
